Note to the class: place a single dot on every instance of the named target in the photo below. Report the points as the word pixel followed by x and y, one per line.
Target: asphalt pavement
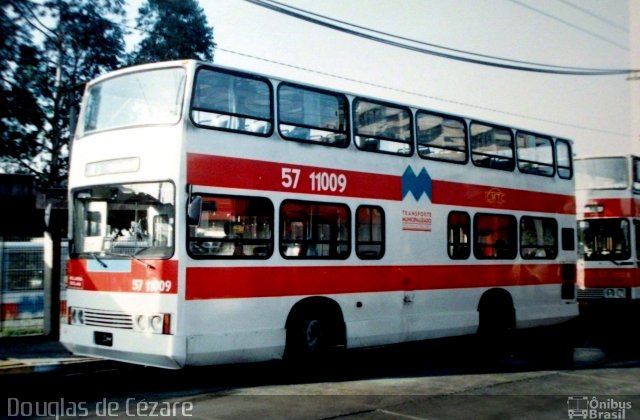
pixel 39 354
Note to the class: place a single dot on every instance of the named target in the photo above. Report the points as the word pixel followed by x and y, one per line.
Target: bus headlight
pixel 153 323
pixel 75 316
pixel 141 322
pixel 156 324
pixel 615 293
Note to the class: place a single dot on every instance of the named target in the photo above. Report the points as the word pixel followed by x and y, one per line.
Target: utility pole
pixel 52 248
pixel 55 210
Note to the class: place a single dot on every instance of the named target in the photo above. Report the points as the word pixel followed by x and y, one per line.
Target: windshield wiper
pixel 620 262
pixel 133 257
pixel 609 258
pixel 102 263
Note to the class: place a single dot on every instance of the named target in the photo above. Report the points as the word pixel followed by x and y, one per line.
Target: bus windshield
pixel 133 100
pixel 602 173
pixel 604 239
pixel 124 221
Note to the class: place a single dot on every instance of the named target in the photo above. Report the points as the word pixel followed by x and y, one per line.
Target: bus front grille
pixel 111 319
pixel 590 293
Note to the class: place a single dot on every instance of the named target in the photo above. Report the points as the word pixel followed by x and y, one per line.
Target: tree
pixel 172 30
pixel 45 81
pixel 20 119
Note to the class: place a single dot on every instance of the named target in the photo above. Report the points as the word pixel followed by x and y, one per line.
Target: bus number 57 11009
pixel 151 286
pixel 319 180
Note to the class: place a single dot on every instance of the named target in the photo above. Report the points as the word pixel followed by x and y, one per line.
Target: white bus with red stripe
pixel 608 201
pixel 223 216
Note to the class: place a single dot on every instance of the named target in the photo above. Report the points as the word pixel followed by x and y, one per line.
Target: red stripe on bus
pixel 253 282
pixel 162 278
pixel 469 195
pixel 272 176
pixel 251 174
pixel 613 207
pixel 612 277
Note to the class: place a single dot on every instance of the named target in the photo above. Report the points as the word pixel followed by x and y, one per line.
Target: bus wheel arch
pixel 496 312
pixel 314 326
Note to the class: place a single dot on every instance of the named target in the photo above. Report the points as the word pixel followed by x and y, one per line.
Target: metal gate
pixel 22 287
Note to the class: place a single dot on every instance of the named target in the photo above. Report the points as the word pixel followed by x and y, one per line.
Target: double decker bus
pixel 608 203
pixel 220 216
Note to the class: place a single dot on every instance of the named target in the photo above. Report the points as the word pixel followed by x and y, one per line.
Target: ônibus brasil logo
pixel 597 408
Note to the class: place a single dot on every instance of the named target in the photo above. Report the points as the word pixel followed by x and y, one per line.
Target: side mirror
pixel 194 210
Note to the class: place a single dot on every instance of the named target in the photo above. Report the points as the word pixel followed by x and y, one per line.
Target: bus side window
pixel 370 232
pixel 495 236
pixel 441 137
pixel 313 115
pixel 458 233
pixel 564 159
pixel 314 230
pixel 382 127
pixel 535 154
pixel 568 236
pixel 233 227
pixel 232 101
pixel 492 147
pixel 538 237
pixel 637 232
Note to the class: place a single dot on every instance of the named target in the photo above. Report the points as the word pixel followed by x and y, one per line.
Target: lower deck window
pixel 233 227
pixel 538 238
pixel 458 233
pixel 370 232
pixel 495 236
pixel 314 230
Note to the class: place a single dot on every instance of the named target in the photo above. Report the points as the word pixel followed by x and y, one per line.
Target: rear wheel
pixel 307 337
pixel 315 330
pixel 496 331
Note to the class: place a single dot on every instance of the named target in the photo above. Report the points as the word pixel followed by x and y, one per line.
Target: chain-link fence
pixel 22 287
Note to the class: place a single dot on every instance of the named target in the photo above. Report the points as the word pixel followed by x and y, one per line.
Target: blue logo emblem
pixel 416 184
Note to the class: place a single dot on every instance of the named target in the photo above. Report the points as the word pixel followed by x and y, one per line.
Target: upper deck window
pixel 151 97
pixel 232 102
pixel 636 174
pixel 602 173
pixel 492 146
pixel 564 159
pixel 535 154
pixel 441 137
pixel 382 128
pixel 312 115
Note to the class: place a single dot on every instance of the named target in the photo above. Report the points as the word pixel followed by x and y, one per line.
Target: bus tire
pixel 313 330
pixel 496 324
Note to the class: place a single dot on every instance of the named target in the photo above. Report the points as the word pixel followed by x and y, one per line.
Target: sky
pixel 598 113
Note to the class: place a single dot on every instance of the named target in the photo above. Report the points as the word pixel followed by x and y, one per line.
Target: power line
pixel 422 95
pixel 579 28
pixel 595 16
pixel 469 53
pixel 306 16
